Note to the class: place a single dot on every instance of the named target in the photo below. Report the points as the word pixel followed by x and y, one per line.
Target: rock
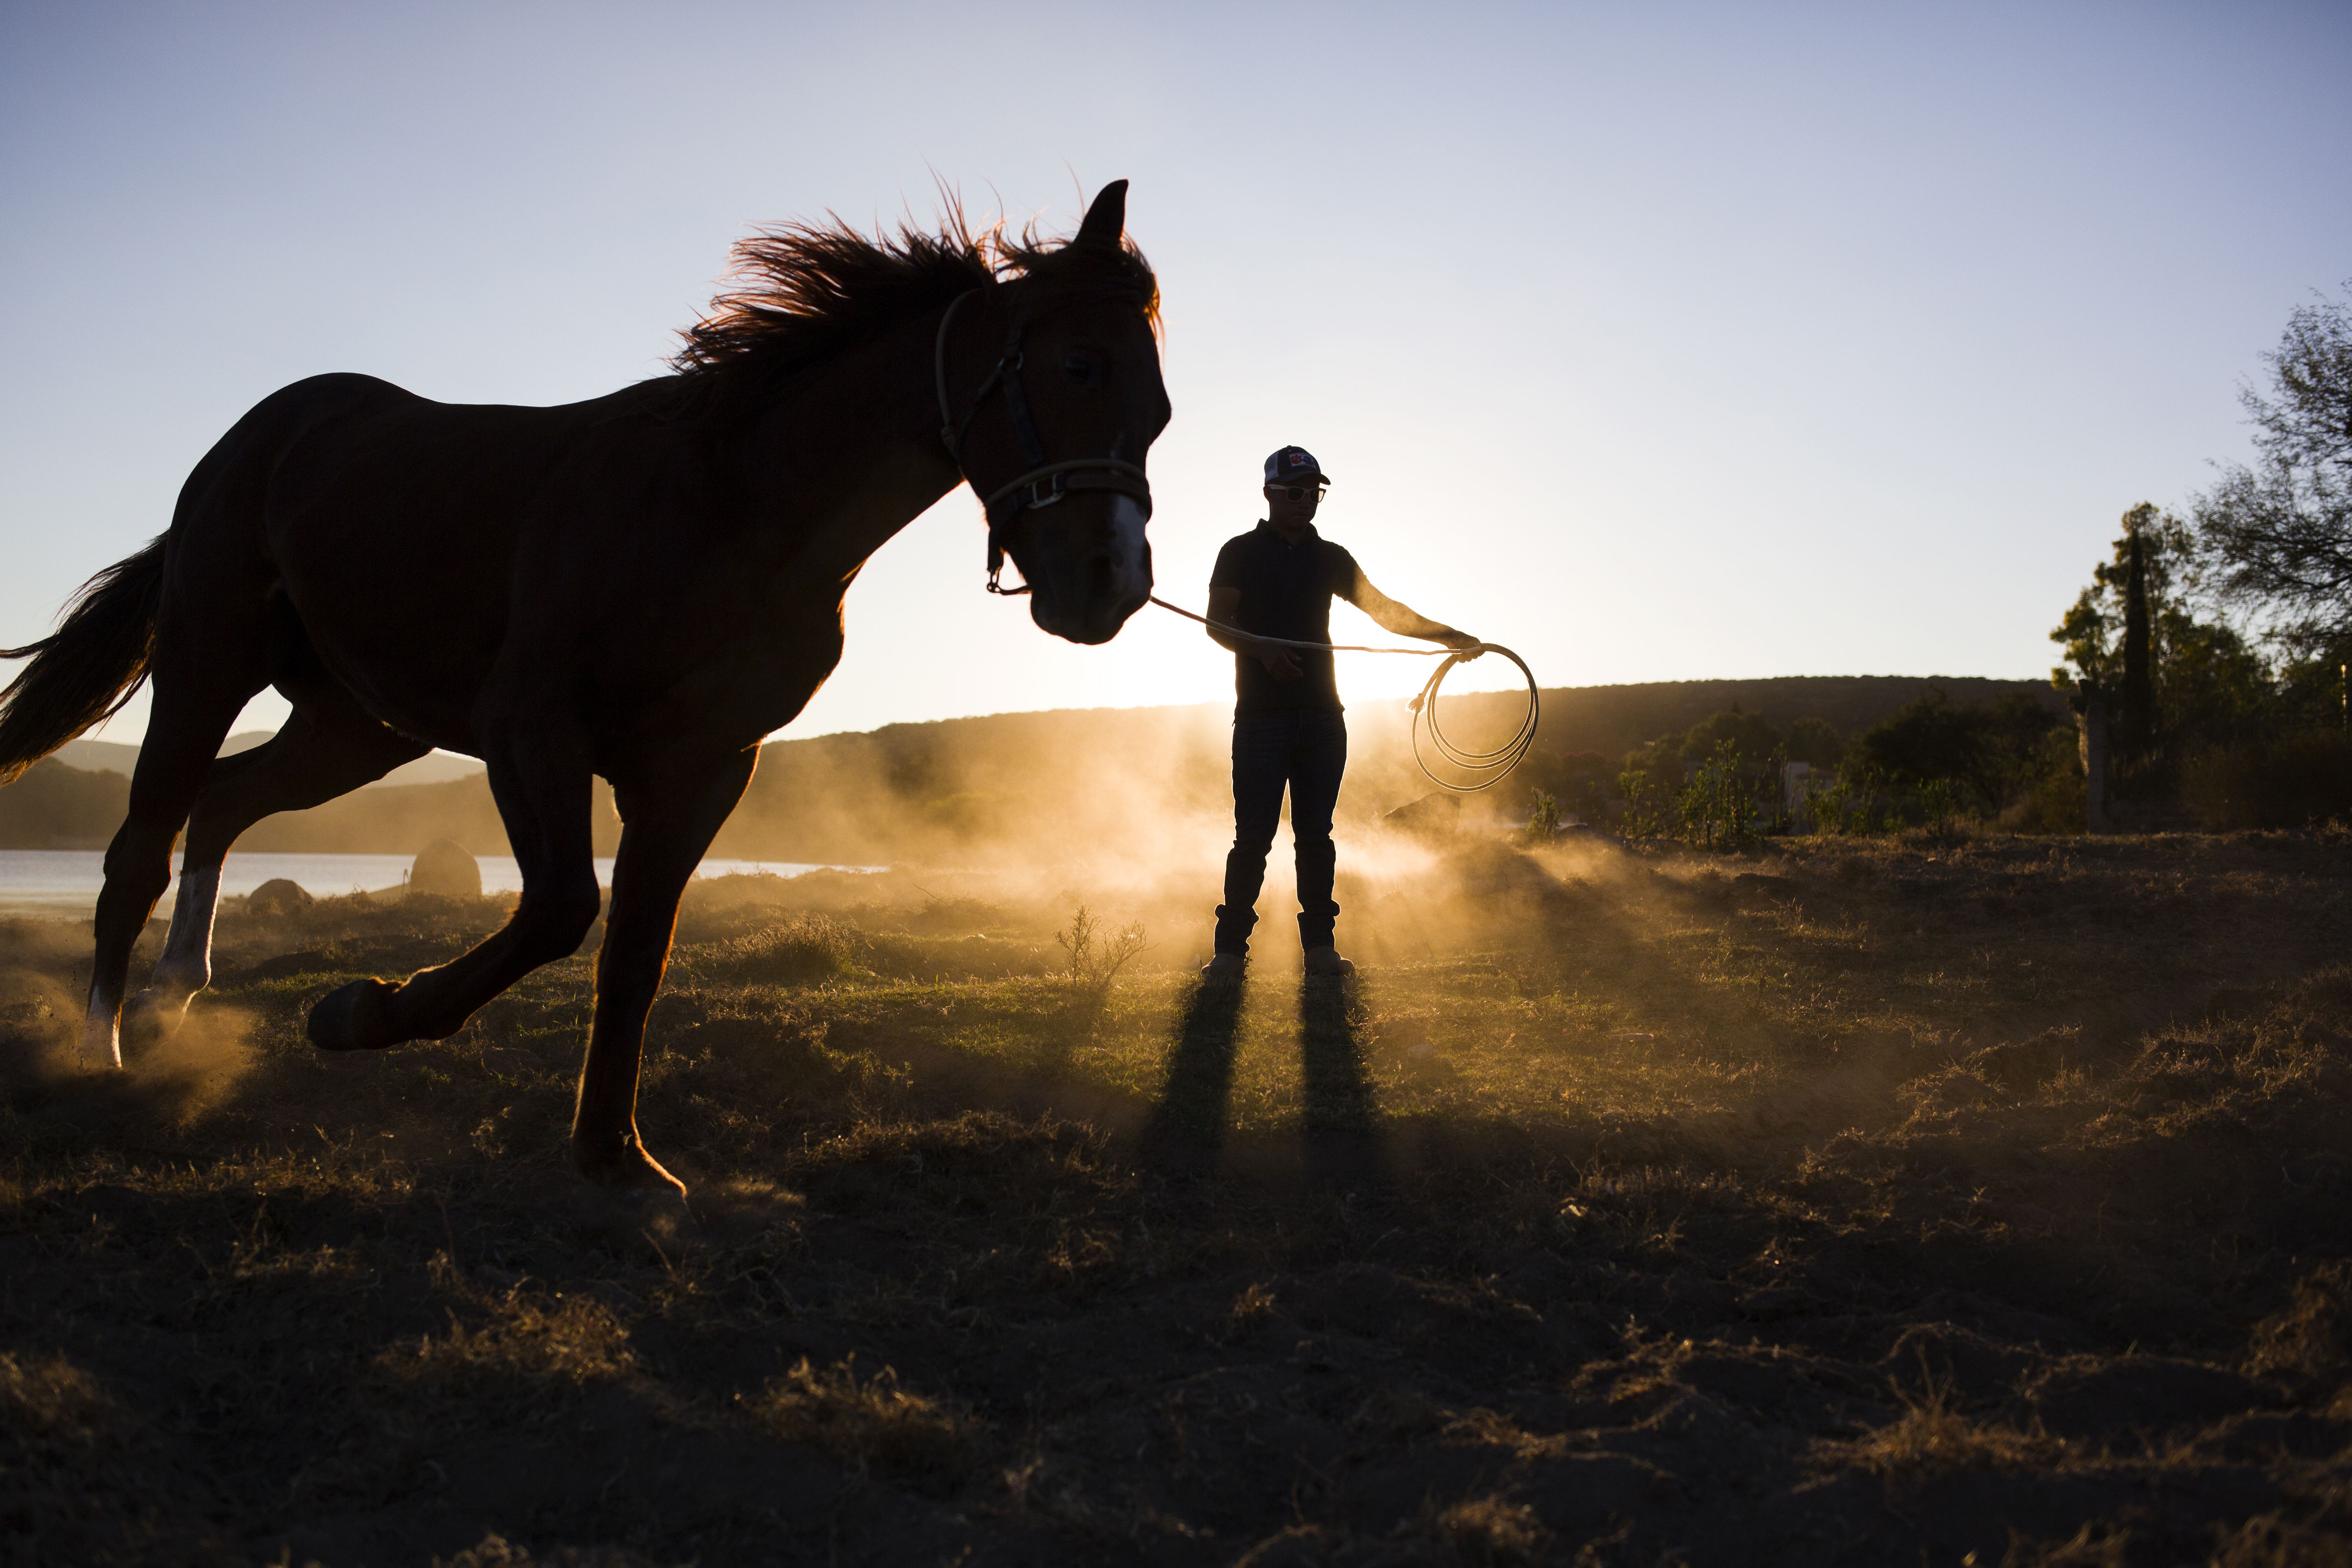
pixel 445 870
pixel 1437 814
pixel 278 897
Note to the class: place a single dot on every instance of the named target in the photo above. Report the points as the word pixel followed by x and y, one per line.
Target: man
pixel 1276 581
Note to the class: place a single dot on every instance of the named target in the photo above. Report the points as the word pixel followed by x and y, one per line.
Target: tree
pixel 2279 534
pixel 1988 752
pixel 2203 683
pixel 1815 741
pixel 2139 726
pixel 2096 632
pixel 1750 735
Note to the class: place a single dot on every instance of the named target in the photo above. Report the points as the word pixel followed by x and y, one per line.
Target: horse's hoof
pixel 631 1176
pixel 101 1047
pixel 353 1019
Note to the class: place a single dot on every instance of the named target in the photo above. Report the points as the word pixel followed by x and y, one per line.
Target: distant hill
pixel 1613 719
pixel 118 757
pixel 1043 787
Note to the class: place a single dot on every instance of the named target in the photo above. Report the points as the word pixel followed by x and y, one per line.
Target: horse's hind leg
pixel 195 701
pixel 542 783
pixel 329 747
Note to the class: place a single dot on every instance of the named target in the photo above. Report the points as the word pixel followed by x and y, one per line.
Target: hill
pixel 120 757
pixel 1055 785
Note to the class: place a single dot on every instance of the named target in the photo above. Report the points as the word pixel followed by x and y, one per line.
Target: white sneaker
pixel 1224 968
pixel 1326 961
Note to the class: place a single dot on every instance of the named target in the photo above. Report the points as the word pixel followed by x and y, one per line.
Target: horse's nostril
pixel 1102 577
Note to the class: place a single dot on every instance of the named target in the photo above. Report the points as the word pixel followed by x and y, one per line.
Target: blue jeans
pixel 1305 751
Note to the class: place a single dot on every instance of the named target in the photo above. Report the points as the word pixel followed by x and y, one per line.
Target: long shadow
pixel 1187 1120
pixel 1338 1113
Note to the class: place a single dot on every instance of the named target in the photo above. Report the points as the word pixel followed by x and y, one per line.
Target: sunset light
pixel 1247 786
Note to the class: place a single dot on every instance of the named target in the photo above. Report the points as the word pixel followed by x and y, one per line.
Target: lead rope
pixel 1496 765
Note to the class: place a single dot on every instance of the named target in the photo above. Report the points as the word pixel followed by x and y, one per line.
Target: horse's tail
pixel 85 670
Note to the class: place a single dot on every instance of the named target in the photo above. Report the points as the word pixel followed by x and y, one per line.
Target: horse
pixel 642 586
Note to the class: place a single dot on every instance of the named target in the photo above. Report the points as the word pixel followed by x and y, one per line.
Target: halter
pixel 1045 482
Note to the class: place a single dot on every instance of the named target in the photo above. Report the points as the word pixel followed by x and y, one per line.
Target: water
pixel 65 881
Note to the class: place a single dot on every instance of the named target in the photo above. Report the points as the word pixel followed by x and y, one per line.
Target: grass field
pixel 1971 1202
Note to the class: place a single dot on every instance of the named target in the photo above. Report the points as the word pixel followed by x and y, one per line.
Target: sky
pixel 1657 343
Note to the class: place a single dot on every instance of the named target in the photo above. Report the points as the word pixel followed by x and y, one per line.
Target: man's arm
pixel 1224 603
pixel 1395 616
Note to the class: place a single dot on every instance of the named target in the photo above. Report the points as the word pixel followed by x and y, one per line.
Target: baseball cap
pixel 1292 464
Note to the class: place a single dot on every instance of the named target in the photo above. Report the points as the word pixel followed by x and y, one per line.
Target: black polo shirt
pixel 1286 591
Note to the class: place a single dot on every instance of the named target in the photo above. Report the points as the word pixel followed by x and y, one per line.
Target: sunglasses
pixel 1298 492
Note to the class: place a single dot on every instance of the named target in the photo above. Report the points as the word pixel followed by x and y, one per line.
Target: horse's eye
pixel 1079 368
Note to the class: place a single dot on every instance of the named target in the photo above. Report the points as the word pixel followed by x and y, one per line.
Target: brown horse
pixel 642 586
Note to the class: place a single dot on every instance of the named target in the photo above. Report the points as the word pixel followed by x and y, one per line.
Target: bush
pixel 1816 741
pixel 1749 737
pixel 1651 784
pixel 1988 751
pixel 2292 782
pixel 2056 799
pixel 803 949
pixel 1543 818
pixel 1729 800
pixel 1095 959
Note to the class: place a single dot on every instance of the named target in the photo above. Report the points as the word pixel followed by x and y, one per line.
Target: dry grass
pixel 1934 1436
pixel 516 1340
pixel 868 1422
pixel 1842 1205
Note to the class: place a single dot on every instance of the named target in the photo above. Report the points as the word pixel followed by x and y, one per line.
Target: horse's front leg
pixel 668 820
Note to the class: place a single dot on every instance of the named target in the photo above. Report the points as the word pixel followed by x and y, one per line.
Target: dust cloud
pixel 1127 811
pixel 173 1077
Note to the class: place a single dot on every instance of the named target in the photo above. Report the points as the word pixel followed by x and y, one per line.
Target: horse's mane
pixel 804 292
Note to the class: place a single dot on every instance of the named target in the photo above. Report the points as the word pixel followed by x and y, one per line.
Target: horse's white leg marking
pixel 101 1042
pixel 1127 545
pixel 185 967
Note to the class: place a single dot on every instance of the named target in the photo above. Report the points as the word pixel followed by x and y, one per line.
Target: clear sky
pixel 1657 341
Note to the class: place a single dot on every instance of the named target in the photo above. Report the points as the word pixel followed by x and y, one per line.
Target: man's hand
pixel 1280 662
pixel 1464 644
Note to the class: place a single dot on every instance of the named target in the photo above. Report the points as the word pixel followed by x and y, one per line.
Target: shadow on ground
pixel 1861 1205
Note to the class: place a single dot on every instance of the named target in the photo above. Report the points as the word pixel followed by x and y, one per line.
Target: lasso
pixel 1487 769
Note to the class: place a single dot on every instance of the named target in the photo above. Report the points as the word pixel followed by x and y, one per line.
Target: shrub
pixel 1990 751
pixel 1719 806
pixel 1543 818
pixel 1095 959
pixel 1651 784
pixel 868 1422
pixel 1816 741
pixel 2055 803
pixel 804 948
pixel 1749 737
pixel 2293 781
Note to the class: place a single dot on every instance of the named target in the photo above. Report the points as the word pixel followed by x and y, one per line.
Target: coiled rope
pixel 1487 769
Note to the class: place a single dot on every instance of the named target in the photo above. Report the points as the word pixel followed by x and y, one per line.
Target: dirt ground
pixel 1975 1202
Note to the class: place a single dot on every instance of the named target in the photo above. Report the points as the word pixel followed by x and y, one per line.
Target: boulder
pixel 1437 814
pixel 278 895
pixel 444 870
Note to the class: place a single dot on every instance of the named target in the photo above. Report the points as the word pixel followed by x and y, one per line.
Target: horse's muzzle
pixel 1088 598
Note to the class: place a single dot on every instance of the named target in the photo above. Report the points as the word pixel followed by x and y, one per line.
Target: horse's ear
pixel 1107 219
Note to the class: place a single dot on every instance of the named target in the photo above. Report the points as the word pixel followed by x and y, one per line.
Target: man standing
pixel 1276 581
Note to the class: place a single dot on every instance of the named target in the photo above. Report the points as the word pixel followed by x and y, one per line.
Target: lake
pixel 65 881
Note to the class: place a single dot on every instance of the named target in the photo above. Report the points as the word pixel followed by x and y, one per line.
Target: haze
pixel 1701 342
